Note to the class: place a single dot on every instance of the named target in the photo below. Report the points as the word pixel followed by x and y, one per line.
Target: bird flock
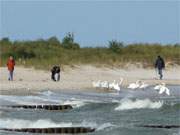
pixel 107 85
pixel 116 85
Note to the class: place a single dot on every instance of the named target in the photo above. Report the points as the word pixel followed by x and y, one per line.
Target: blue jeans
pixel 160 73
pixel 10 76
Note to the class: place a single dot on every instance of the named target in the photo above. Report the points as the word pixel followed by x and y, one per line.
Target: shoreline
pixel 28 80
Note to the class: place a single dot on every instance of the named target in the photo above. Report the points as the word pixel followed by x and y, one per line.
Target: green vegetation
pixel 45 53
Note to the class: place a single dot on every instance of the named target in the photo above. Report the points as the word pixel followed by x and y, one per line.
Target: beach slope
pixel 79 78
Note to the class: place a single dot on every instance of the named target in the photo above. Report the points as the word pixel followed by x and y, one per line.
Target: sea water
pixel 111 113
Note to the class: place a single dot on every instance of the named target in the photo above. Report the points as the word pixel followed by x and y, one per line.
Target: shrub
pixel 116 46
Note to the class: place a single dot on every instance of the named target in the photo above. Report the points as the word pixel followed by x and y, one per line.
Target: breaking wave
pixel 74 103
pixel 47 93
pixel 16 123
pixel 35 100
pixel 127 104
pixel 20 123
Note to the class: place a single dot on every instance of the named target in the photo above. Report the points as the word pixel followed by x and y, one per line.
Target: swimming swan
pixel 157 87
pixel 162 88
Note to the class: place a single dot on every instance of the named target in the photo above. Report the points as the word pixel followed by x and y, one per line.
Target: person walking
pixel 10 66
pixel 160 65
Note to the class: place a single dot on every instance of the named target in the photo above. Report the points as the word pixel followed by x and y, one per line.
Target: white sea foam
pixel 19 123
pixel 46 93
pixel 31 100
pixel 22 99
pixel 97 126
pixel 115 101
pixel 75 103
pixel 1 113
pixel 105 126
pixel 178 133
pixel 127 104
pixel 16 123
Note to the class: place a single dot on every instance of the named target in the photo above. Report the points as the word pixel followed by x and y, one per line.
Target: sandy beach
pixel 28 80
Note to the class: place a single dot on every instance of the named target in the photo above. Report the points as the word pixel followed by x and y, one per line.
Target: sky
pixel 93 23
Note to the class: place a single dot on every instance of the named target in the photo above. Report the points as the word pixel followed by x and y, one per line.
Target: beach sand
pixel 28 80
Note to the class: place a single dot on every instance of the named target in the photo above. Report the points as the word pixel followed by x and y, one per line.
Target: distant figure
pixel 10 66
pixel 55 76
pixel 160 65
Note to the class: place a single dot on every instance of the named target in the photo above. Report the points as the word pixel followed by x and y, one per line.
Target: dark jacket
pixel 54 70
pixel 159 63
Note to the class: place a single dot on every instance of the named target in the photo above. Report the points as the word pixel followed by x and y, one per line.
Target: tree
pixel 69 38
pixel 116 46
pixel 177 45
pixel 5 41
pixel 53 41
pixel 68 42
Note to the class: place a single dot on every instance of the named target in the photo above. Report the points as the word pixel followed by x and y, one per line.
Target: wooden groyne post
pixel 55 130
pixel 45 107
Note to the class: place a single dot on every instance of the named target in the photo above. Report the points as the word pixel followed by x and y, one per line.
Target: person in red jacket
pixel 10 66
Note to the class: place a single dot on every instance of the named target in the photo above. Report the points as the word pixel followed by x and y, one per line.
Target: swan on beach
pixel 105 84
pixel 96 84
pixel 143 85
pixel 111 85
pixel 100 84
pixel 134 85
pixel 117 87
pixel 162 88
pixel 121 80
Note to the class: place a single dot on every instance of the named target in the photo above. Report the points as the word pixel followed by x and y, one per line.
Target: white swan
pixel 105 84
pixel 111 85
pixel 134 85
pixel 143 85
pixel 117 85
pixel 121 80
pixel 96 84
pixel 162 88
pixel 157 87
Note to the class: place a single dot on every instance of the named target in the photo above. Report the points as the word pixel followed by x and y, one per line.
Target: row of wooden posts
pixel 55 130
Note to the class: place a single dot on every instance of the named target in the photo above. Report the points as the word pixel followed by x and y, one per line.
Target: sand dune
pixel 79 78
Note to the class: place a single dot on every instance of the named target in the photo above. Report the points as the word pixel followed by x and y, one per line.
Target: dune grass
pixel 45 53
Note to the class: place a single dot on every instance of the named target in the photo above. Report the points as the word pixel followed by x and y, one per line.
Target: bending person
pixel 55 73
